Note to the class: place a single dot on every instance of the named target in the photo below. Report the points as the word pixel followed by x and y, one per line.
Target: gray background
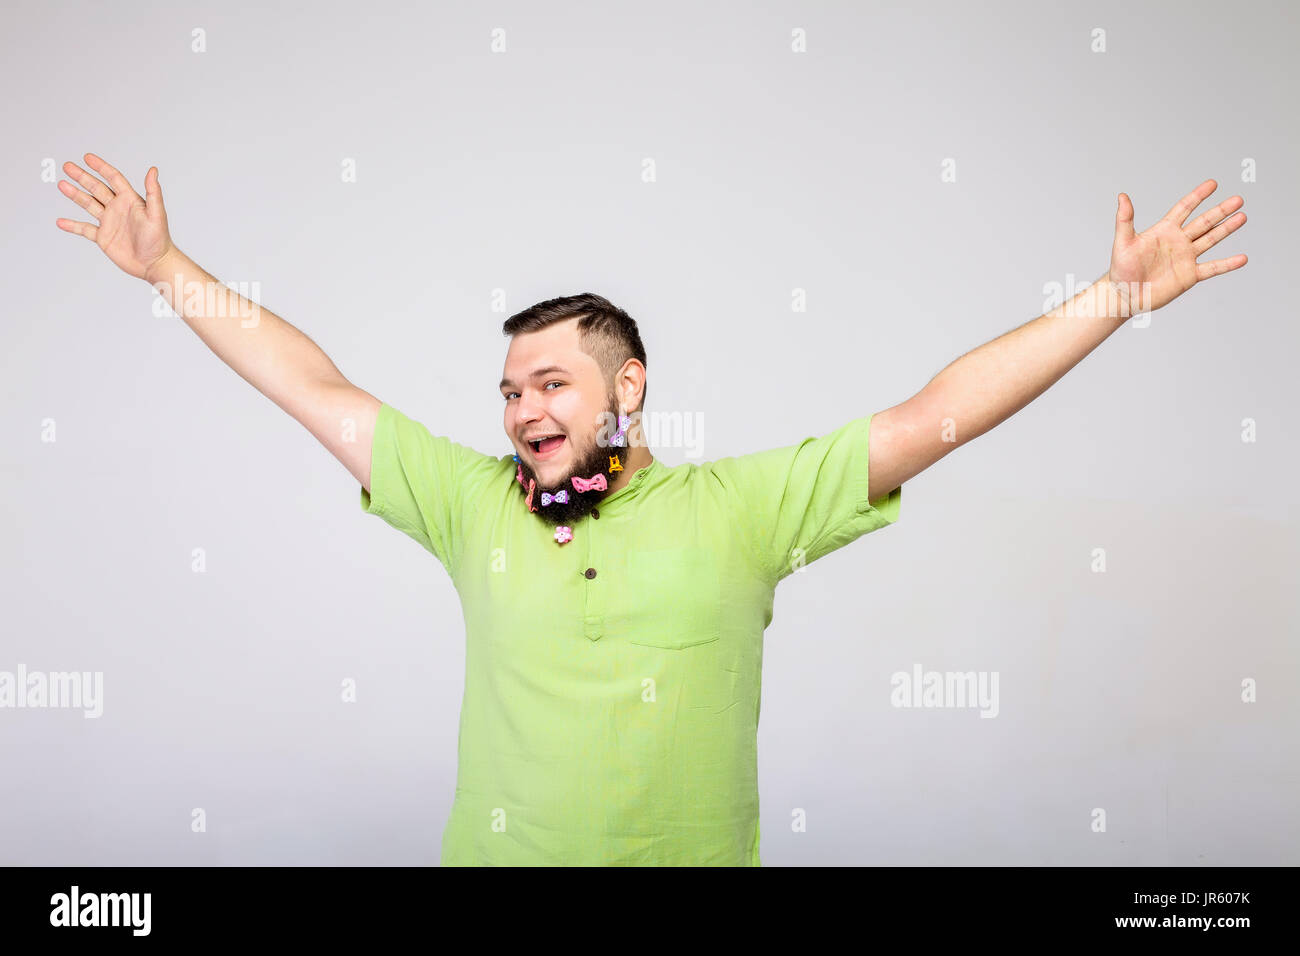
pixel 521 172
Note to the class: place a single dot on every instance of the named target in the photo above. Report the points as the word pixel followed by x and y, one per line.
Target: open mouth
pixel 544 448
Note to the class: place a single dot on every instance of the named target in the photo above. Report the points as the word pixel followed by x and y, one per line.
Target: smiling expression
pixel 551 387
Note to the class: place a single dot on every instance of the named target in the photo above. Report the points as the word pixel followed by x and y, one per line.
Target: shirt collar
pixel 634 485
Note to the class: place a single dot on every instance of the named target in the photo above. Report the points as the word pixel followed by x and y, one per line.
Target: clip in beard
pixel 519 477
pixel 619 438
pixel 597 482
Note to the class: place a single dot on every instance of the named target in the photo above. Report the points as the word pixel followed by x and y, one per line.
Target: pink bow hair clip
pixel 594 483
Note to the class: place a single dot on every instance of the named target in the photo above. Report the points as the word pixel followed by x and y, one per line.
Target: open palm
pixel 1160 264
pixel 132 231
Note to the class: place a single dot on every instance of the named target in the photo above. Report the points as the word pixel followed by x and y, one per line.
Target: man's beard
pixel 594 461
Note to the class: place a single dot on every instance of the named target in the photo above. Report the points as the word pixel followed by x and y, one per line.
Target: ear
pixel 630 385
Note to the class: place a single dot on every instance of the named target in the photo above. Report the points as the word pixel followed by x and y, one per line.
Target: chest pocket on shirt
pixel 675 597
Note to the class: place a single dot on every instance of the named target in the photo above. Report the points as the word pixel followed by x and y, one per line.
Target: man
pixel 614 606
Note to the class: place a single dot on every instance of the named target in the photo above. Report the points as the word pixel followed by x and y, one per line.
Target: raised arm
pixel 267 352
pixel 988 385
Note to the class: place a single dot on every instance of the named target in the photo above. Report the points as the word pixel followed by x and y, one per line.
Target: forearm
pixel 267 352
pixel 988 385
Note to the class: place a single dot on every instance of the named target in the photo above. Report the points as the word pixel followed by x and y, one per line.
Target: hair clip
pixel 563 533
pixel 560 497
pixel 614 464
pixel 619 438
pixel 595 483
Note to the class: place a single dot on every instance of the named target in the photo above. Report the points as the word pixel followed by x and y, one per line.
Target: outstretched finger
pixel 92 185
pixel 78 228
pixel 1218 232
pixel 1183 208
pixel 1124 219
pixel 84 200
pixel 153 201
pixel 1207 270
pixel 111 175
pixel 1201 224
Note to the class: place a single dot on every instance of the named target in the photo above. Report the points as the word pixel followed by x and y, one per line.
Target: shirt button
pixel 595 513
pixel 590 573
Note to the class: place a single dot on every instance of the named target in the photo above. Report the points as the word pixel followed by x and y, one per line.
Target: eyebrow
pixel 537 373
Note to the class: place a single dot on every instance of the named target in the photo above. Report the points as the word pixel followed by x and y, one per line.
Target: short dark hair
pixel 605 332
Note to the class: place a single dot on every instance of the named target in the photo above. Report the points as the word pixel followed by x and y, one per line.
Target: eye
pixel 548 385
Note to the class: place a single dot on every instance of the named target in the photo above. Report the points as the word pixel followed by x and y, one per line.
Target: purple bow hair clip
pixel 560 497
pixel 619 438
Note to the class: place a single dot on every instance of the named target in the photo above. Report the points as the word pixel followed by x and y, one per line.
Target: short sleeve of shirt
pixel 795 504
pixel 425 485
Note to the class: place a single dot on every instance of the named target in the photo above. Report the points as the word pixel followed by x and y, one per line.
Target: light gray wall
pixel 522 171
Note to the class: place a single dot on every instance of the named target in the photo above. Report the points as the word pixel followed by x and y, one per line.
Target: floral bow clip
pixel 560 497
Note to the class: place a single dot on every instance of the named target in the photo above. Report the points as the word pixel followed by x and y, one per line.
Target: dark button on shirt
pixel 595 513
pixel 590 573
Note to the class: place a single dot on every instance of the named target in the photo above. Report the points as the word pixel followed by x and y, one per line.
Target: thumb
pixel 1124 220
pixel 153 201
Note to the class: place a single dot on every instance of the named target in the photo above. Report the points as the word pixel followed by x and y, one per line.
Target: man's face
pixel 552 387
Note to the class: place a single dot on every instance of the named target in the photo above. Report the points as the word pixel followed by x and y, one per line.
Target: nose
pixel 527 411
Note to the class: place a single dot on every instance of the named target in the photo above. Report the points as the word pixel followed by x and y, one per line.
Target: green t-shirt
pixel 612 683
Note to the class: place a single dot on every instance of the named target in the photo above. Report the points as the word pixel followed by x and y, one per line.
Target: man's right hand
pixel 273 356
pixel 132 231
